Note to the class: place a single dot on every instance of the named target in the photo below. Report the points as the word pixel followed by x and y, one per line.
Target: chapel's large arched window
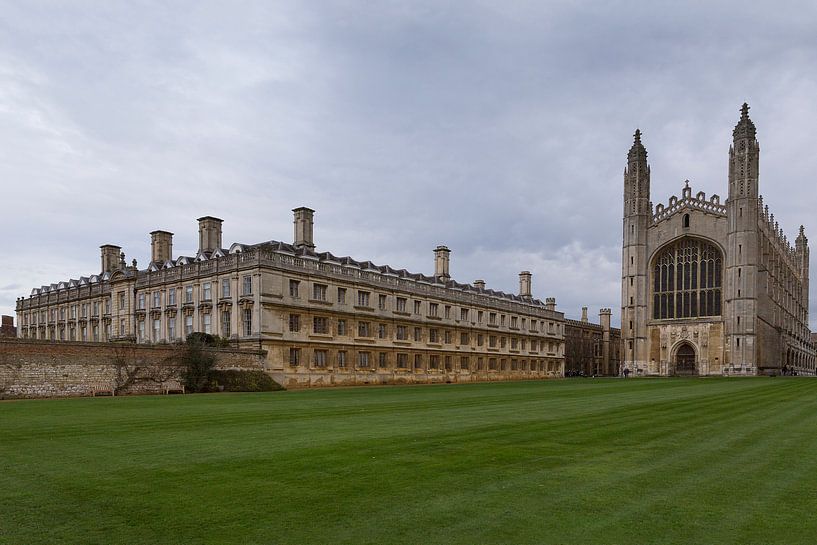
pixel 687 280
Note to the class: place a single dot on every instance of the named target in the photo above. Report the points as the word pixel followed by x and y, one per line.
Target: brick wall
pixel 31 368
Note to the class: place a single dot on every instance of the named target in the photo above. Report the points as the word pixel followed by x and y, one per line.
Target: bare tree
pixel 131 369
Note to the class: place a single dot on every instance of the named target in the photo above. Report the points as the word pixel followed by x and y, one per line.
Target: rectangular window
pixel 294 288
pixel 448 337
pixel 171 329
pixel 207 291
pixel 479 316
pixel 447 363
pixel 381 331
pixel 492 318
pixel 514 322
pixel 433 336
pixel 140 302
pixel 479 339
pixel 84 333
pixel 342 296
pixel 341 358
pixel 363 359
pixel 294 322
pixel 188 325
pixel 95 308
pixel 447 312
pixel 188 294
pixel 401 304
pixel 363 329
pixel 382 360
pixel 171 296
pixel 157 330
pixel 492 341
pixel 107 305
pixel 464 340
pixel 122 330
pixel 121 300
pixel 402 361
pixel 417 307
pixel 247 321
pixel 320 325
pixel 418 361
pixel 341 327
pixel 319 292
pixel 502 320
pixel 464 314
pixel 140 329
pixel 402 333
pixel 418 334
pixel 464 363
pixel 362 298
pixel 225 287
pixel 319 358
pixel 381 302
pixel 294 356
pixel 246 285
pixel 433 361
pixel 432 309
pixel 225 323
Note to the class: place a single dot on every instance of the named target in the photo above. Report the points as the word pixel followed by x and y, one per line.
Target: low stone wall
pixel 30 368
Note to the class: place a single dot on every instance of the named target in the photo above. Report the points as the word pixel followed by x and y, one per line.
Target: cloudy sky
pixel 497 128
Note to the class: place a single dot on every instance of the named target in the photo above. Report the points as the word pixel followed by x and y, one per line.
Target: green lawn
pixel 574 461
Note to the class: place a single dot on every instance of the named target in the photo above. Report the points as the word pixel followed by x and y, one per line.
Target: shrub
pixel 198 364
pixel 243 381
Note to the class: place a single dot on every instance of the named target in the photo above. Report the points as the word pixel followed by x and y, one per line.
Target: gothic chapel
pixel 710 288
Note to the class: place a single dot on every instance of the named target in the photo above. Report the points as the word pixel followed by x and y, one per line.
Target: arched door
pixel 685 360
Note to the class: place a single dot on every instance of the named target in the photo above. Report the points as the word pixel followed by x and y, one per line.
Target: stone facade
pixel 592 349
pixel 711 288
pixel 7 328
pixel 323 320
pixel 30 368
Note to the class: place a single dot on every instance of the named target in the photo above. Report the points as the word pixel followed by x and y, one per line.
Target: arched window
pixel 687 280
pixel 686 220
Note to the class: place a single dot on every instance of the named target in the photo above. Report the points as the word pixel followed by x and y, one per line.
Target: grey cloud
pixel 500 130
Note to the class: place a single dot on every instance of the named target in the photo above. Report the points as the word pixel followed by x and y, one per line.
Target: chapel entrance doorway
pixel 685 360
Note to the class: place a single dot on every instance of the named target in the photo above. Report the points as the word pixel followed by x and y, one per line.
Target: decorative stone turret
pixel 550 303
pixel 585 319
pixel 479 284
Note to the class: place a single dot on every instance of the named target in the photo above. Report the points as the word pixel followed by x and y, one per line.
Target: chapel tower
pixel 637 218
pixel 742 246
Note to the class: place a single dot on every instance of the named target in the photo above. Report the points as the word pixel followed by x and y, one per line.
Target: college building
pixel 712 288
pixel 323 320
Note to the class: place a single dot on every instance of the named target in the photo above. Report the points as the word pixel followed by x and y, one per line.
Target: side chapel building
pixel 710 288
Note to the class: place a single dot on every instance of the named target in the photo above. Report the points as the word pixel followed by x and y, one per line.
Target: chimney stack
pixel 604 318
pixel 209 234
pixel 525 284
pixel 441 260
pixel 550 303
pixel 584 315
pixel 304 221
pixel 161 246
pixel 110 257
pixel 479 284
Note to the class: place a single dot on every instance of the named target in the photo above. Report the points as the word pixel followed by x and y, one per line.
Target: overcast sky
pixel 497 128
